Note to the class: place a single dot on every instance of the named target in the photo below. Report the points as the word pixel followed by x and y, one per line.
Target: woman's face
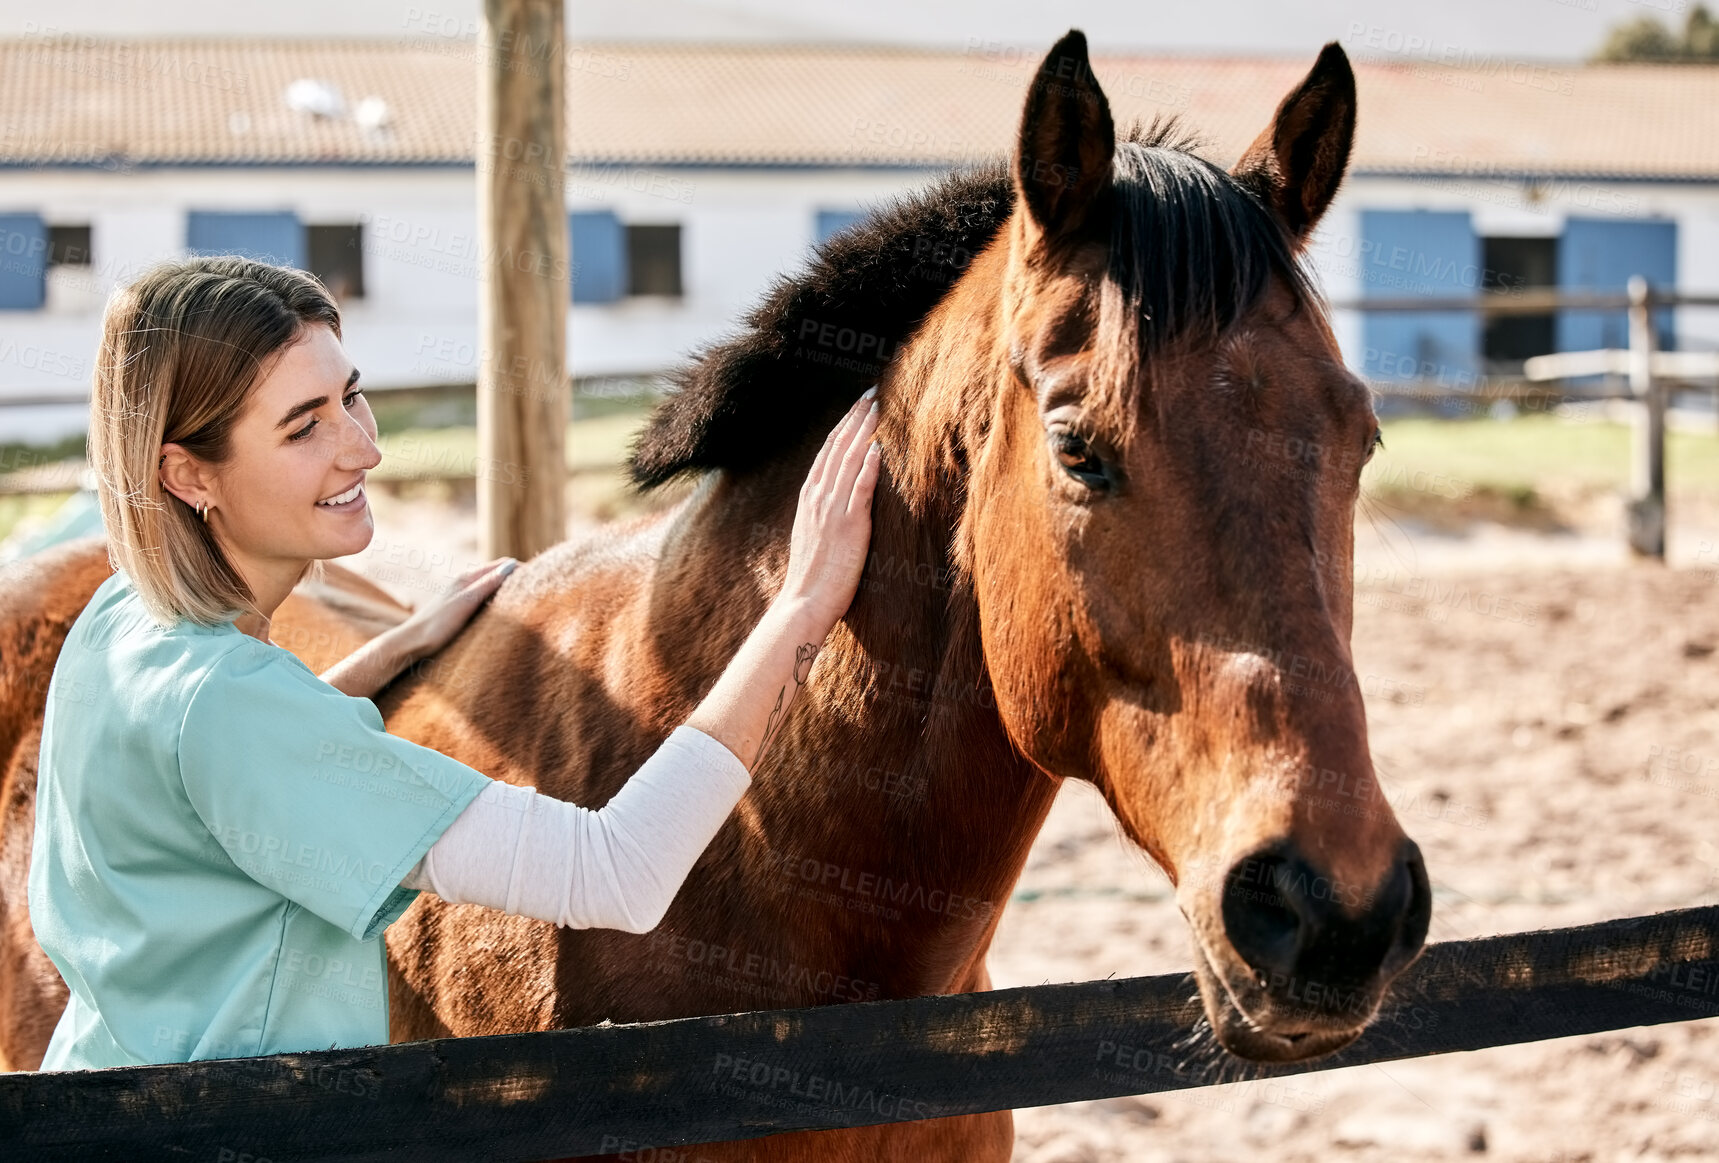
pixel 306 435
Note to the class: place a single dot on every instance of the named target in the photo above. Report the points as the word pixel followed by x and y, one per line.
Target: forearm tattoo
pixel 803 656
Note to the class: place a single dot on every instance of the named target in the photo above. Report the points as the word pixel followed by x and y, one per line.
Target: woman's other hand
pixel 379 661
pixel 832 524
pixel 435 623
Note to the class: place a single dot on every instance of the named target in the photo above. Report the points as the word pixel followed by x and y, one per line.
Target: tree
pixel 1646 39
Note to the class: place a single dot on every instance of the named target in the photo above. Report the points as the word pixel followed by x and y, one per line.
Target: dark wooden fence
pixel 666 1084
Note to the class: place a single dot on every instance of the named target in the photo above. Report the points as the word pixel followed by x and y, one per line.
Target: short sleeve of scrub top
pixel 308 793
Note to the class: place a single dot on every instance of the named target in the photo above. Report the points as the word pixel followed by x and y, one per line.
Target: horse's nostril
pixel 1417 916
pixel 1261 917
pixel 1297 928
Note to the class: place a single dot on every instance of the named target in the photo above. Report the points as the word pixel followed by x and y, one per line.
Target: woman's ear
pixel 183 475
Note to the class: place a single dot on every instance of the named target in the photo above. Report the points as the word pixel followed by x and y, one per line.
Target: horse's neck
pixel 893 796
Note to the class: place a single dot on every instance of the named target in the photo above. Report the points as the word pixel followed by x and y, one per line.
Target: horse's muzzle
pixel 1321 951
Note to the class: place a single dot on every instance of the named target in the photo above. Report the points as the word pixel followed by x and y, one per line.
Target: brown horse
pixel 1111 542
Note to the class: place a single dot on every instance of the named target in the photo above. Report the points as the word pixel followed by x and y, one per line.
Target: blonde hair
pixel 181 350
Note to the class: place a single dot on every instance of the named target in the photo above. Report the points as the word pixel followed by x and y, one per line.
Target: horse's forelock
pixel 1190 251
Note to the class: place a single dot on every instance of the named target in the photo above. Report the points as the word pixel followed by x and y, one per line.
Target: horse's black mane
pixel 1190 247
pixel 746 398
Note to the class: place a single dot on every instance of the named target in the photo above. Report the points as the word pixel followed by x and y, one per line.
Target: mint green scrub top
pixel 220 839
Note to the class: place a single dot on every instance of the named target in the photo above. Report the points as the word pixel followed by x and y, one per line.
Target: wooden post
pixel 524 282
pixel 1647 466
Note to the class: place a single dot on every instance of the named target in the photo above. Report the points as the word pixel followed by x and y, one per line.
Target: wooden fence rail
pixel 1528 301
pixel 667 1084
pixel 1645 367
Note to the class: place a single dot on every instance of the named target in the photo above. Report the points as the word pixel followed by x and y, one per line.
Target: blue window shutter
pixel 23 262
pixel 1598 255
pixel 1408 253
pixel 599 245
pixel 833 221
pixel 271 237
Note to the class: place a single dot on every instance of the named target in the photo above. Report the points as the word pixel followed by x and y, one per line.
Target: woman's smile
pixel 350 501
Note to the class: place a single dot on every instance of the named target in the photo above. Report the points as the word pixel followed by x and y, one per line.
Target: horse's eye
pixel 1074 455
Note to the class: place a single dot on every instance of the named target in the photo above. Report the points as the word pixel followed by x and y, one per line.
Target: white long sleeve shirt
pixel 616 868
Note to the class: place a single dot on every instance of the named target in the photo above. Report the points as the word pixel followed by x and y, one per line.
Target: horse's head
pixel 1114 408
pixel 1161 536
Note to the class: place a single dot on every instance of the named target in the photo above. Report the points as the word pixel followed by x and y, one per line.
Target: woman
pixel 221 835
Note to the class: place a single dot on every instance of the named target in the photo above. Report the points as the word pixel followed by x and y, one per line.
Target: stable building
pixel 699 173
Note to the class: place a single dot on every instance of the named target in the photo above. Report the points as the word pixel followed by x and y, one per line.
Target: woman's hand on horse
pixel 832 524
pixel 433 624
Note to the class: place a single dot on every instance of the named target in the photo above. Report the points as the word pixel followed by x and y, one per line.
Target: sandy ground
pixel 1545 715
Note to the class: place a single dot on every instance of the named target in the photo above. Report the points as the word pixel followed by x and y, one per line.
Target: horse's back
pixel 40 597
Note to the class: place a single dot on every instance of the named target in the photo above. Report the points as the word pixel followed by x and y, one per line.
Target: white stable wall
pixel 740 229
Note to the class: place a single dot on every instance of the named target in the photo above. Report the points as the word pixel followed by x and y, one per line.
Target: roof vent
pixel 317 98
pixel 372 114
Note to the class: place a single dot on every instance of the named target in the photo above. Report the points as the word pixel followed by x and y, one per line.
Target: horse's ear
pixel 1296 165
pixel 1063 155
